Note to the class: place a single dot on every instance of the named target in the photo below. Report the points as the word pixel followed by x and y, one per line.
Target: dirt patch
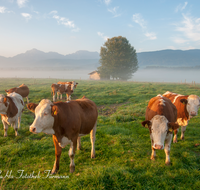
pixel 107 110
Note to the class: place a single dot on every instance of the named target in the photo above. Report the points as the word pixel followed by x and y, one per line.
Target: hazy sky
pixel 66 26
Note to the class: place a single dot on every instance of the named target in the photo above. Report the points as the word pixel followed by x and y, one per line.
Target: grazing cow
pixel 11 108
pixel 160 117
pixel 187 107
pixel 72 82
pixel 67 122
pixel 61 89
pixel 23 90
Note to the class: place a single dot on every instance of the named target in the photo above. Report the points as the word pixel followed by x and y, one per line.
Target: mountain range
pixel 35 59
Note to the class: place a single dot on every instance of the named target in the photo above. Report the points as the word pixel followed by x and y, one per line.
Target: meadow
pixel 123 146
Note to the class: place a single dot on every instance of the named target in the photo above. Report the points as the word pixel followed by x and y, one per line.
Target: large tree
pixel 118 59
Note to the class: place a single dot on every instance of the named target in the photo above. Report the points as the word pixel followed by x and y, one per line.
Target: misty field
pixel 123 146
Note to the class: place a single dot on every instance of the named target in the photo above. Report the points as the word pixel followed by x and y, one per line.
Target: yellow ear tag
pixel 183 103
pixel 170 129
pixel 55 113
pixel 146 126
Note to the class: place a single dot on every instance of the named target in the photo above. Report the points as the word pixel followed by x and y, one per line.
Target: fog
pixel 158 75
pixel 142 75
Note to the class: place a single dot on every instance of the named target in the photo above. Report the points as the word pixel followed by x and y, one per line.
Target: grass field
pixel 123 146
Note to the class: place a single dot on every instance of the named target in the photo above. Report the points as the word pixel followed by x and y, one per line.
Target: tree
pixel 118 59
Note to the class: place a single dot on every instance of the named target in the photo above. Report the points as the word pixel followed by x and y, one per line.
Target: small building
pixel 95 75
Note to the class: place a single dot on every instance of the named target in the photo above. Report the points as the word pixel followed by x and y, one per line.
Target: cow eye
pixel 45 114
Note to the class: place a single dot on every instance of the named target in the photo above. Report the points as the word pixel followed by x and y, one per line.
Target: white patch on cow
pixel 162 102
pixel 193 105
pixel 160 95
pixel 43 119
pixel 66 85
pixel 64 142
pixel 159 131
pixel 182 122
pixel 168 92
pixel 67 101
pixel 176 98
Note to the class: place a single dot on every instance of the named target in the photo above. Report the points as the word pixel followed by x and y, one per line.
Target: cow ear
pixel 172 126
pixel 32 106
pixel 54 110
pixel 146 123
pixel 183 101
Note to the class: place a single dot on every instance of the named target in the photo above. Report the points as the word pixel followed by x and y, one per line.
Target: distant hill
pixel 169 58
pixel 35 59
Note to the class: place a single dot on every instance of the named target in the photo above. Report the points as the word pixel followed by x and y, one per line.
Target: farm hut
pixel 95 75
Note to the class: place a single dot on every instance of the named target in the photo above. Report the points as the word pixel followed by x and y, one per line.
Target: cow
pixel 23 90
pixel 67 122
pixel 187 107
pixel 72 82
pixel 60 89
pixel 161 117
pixel 11 108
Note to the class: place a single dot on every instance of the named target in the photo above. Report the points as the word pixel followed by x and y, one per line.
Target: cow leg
pixel 19 121
pixel 5 126
pixel 60 96
pixel 27 100
pixel 183 128
pixel 54 96
pixel 79 143
pixel 71 155
pixel 93 138
pixel 58 151
pixel 167 148
pixel 67 96
pixel 175 136
pixel 153 154
pixel 16 127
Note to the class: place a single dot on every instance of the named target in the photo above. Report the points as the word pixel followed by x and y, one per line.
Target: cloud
pixel 64 21
pixel 137 18
pixel 179 40
pixel 107 2
pixel 2 9
pixel 102 36
pixel 181 7
pixel 190 28
pixel 21 3
pixel 114 12
pixel 151 36
pixel 27 16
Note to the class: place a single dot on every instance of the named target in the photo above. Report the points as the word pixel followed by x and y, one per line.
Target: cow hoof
pixel 182 138
pixel 175 141
pixel 54 171
pixel 152 158
pixel 167 163
pixel 93 156
pixel 72 169
pixel 79 148
pixel 5 135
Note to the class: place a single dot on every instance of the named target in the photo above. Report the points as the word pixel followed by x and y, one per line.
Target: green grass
pixel 123 146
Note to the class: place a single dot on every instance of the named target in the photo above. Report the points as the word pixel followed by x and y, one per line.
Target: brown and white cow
pixel 23 90
pixel 187 107
pixel 60 89
pixel 71 82
pixel 11 108
pixel 160 117
pixel 67 122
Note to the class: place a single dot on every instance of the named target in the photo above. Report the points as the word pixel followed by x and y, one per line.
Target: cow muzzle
pixel 33 130
pixel 193 113
pixel 158 147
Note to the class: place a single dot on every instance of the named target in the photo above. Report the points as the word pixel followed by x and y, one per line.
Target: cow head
pixel 193 105
pixel 45 112
pixel 4 102
pixel 159 127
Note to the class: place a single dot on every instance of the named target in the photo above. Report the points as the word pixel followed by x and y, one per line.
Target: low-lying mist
pixel 142 75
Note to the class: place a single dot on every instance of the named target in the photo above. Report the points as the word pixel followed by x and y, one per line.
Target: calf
pixel 23 90
pixel 60 89
pixel 160 117
pixel 67 122
pixel 187 107
pixel 11 108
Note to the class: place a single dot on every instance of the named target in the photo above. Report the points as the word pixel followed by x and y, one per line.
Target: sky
pixel 67 26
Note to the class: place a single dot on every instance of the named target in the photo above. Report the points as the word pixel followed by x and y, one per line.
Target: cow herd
pixel 68 121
